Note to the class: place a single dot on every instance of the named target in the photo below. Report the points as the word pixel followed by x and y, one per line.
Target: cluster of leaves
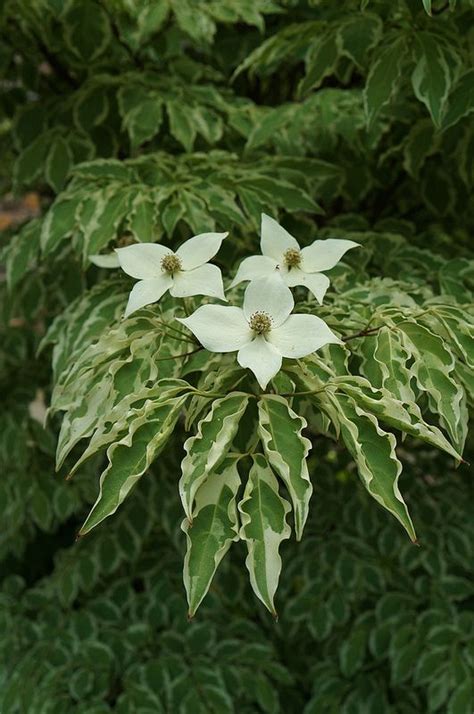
pixel 101 628
pixel 407 361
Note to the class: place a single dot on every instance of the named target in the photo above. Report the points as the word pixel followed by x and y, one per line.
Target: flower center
pixel 292 257
pixel 171 264
pixel 260 322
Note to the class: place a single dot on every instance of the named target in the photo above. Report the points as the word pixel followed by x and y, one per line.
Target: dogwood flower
pixel 183 273
pixel 263 331
pixel 296 266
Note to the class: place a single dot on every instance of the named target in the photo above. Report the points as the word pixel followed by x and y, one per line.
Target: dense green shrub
pixel 154 120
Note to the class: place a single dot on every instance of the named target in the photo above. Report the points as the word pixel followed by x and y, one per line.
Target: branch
pixel 363 333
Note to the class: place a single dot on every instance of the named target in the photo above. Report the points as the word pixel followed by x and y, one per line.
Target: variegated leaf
pixel 214 527
pixel 373 450
pixel 264 527
pixel 404 416
pixel 433 368
pixel 130 457
pixel 208 448
pixel 286 449
pixel 385 365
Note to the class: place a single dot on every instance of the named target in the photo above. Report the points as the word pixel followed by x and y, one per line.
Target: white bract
pixel 263 331
pixel 184 273
pixel 297 266
pixel 105 260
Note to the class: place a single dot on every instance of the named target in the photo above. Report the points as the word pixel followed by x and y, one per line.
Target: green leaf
pixel 58 164
pixel 59 222
pixel 427 6
pixel 87 40
pixel 91 108
pixel 373 450
pixel 22 252
pixel 141 220
pixel 358 35
pixel 264 527
pixel 141 111
pixel 286 449
pixel 352 651
pixel 209 447
pixel 30 164
pixel 433 368
pixel 460 100
pixel 320 61
pixel 383 78
pixel 462 699
pixel 181 124
pixel 130 457
pixel 433 73
pixel 420 143
pixel 214 527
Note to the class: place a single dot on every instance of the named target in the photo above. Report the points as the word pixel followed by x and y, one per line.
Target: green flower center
pixel 171 264
pixel 292 257
pixel 260 322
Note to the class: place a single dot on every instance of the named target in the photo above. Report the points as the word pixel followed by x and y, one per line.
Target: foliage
pixel 366 621
pixel 157 120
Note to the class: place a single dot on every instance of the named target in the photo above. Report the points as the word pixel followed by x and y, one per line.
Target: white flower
pixel 263 332
pixel 183 273
pixel 296 266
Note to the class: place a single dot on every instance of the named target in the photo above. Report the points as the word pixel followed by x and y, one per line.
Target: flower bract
pixel 282 254
pixel 184 273
pixel 263 331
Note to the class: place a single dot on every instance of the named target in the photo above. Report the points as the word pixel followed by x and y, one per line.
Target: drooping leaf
pixel 286 449
pixel 383 78
pixel 263 513
pixel 214 527
pixel 58 163
pixel 433 368
pixel 434 72
pixel 404 416
pixel 209 447
pixel 373 450
pixel 460 100
pixel 130 457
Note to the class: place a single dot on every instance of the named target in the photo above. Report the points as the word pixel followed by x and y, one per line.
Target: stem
pixel 183 335
pixel 363 333
pixel 302 394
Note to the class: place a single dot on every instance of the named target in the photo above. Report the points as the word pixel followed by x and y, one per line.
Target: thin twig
pixel 362 333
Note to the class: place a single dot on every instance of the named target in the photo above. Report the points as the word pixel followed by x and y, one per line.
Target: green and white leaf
pixel 373 450
pixel 286 449
pixel 434 73
pixel 263 514
pixel 385 364
pixel 383 78
pixel 209 447
pixel 433 368
pixel 214 527
pixel 130 457
pixel 406 416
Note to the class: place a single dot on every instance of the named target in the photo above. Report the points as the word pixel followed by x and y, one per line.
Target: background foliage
pixel 156 120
